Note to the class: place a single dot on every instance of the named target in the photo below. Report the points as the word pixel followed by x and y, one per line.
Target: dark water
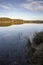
pixel 13 42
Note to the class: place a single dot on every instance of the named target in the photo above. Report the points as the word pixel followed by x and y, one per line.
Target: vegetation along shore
pixel 9 21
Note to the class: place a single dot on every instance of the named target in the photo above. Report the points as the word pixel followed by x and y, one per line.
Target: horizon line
pixel 23 19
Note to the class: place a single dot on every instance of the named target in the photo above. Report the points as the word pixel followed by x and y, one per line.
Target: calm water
pixel 13 42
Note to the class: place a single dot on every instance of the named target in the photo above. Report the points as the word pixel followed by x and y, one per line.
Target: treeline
pixel 8 21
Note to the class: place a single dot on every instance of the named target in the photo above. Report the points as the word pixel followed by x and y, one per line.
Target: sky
pixel 22 9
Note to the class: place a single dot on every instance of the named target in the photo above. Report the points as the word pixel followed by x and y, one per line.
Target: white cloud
pixel 33 5
pixel 4 6
pixel 7 6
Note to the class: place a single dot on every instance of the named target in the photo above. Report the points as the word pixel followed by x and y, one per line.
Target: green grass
pixel 34 54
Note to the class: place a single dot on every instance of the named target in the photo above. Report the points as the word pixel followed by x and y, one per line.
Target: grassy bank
pixel 34 52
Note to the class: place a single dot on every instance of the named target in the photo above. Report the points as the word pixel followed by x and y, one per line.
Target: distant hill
pixel 9 21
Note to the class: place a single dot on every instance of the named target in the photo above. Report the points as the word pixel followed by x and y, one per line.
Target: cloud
pixel 34 5
pixel 4 6
pixel 7 6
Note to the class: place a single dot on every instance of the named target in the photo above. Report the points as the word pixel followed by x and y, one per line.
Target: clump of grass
pixel 35 54
pixel 38 38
